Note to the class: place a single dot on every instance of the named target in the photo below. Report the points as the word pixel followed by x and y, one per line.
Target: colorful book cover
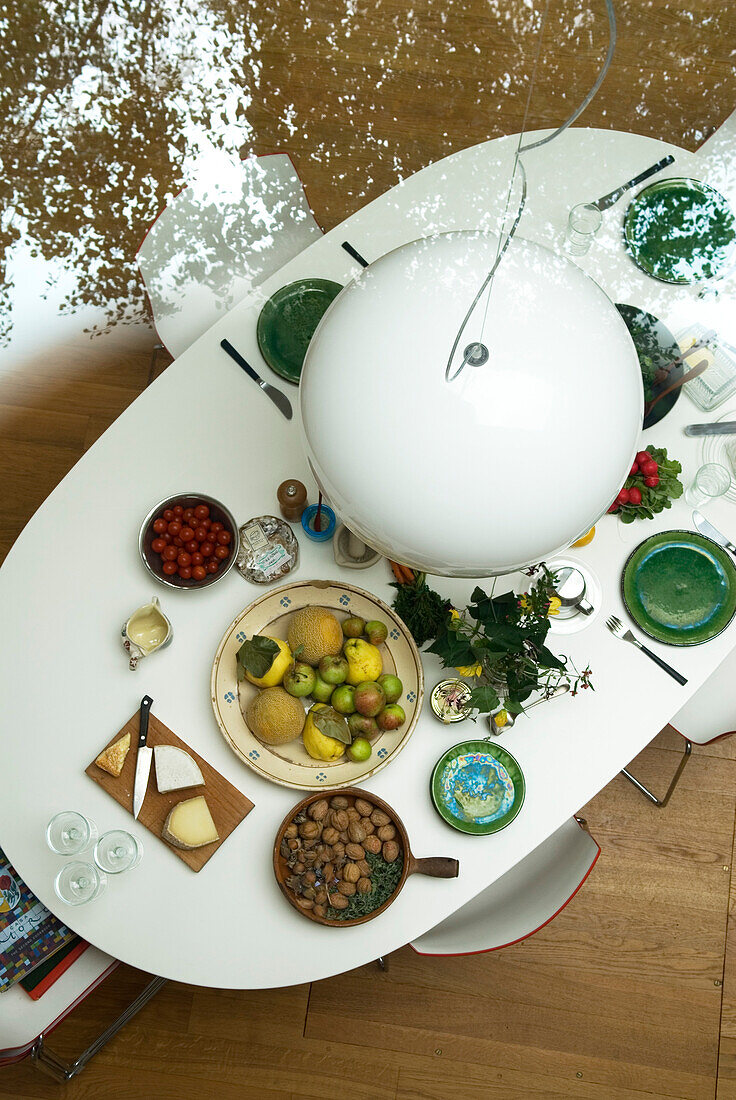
pixel 46 973
pixel 29 932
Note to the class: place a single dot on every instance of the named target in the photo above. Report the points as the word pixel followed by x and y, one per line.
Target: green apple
pixel 333 670
pixel 369 698
pixel 322 691
pixel 343 699
pixel 391 717
pixel 376 632
pixel 392 687
pixel 299 679
pixel 353 627
pixel 360 750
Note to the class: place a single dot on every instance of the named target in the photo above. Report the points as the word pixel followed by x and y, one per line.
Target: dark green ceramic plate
pixel 287 323
pixel 656 347
pixel 679 230
pixel 477 787
pixel 680 587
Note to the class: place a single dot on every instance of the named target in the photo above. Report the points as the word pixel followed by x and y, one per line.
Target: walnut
pixel 353 814
pixel 365 809
pixel 293 844
pixel 378 817
pixel 310 878
pixel 327 854
pixel 330 835
pixel 356 832
pixel 320 853
pixel 328 872
pixel 309 892
pixel 367 826
pixel 310 830
pixel 319 910
pixel 339 802
pixel 339 820
pixel 310 858
pixel 321 896
pixel 347 889
pixel 386 832
pixel 299 868
pixel 354 851
pixel 318 810
pixel 390 851
pixel 338 849
pixel 372 844
pixel 337 901
pixel 364 886
pixel 290 831
pixel 350 872
pixel 364 867
pixel 305 903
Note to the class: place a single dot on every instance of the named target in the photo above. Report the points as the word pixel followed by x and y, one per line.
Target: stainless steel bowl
pixel 152 561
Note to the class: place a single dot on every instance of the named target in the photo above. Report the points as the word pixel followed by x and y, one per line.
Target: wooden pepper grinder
pixel 292 498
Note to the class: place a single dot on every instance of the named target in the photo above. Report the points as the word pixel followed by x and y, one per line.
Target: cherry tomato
pixel 192 546
pixel 170 567
pixel 642 457
pixel 634 495
pixel 221 552
pixel 634 469
pixel 184 572
pixel 623 497
pixel 199 572
pixel 652 482
pixel 187 534
pixel 168 515
pixel 201 511
pixel 184 559
pixel 158 545
pixel 170 553
pixel 178 511
pixel 188 516
pixel 174 527
pixel 650 468
pixel 206 522
pixel 166 537
pixel 159 526
pixel 200 534
pixel 177 541
pixel 214 527
pixel 224 538
pixel 206 549
pixel 197 558
pixel 212 566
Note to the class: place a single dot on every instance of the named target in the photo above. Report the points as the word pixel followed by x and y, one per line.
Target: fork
pixel 616 627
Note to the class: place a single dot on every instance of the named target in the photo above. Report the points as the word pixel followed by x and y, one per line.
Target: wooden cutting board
pixel 226 803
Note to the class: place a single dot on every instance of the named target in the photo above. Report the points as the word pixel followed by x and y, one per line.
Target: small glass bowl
pixel 328 529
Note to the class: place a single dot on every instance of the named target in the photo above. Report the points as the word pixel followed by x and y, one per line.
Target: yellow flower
pixel 501 718
pixel 554 605
pixel 465 670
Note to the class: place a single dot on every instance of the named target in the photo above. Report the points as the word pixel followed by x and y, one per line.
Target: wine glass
pixel 117 851
pixel 69 833
pixel 78 882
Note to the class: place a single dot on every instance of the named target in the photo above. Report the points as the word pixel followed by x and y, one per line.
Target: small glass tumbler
pixel 582 225
pixel 117 851
pixel 327 521
pixel 711 481
pixel 78 882
pixel 69 833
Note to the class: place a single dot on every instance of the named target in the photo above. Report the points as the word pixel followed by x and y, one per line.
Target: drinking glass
pixel 117 851
pixel 583 223
pixel 711 481
pixel 78 882
pixel 69 833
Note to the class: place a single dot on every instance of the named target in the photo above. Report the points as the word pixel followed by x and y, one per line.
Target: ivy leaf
pixel 484 698
pixel 256 655
pixel 332 724
pixel 548 659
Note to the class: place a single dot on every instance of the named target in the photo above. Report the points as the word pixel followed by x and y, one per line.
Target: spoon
pixel 570 589
pixel 686 377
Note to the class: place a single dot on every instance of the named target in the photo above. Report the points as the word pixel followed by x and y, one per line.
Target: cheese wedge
pixel 111 760
pixel 175 769
pixel 190 824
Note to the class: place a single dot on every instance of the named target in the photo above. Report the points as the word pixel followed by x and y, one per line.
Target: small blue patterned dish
pixel 477 787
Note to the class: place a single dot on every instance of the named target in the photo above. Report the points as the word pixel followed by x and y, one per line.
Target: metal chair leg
pixel 152 366
pixel 661 802
pixel 60 1070
pixel 383 963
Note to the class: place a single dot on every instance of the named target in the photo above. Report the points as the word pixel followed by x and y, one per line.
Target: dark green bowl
pixel 477 787
pixel 287 323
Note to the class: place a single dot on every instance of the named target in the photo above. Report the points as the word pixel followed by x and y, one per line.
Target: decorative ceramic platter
pixel 290 765
pixel 656 347
pixel 679 230
pixel 680 587
pixel 477 787
pixel 287 322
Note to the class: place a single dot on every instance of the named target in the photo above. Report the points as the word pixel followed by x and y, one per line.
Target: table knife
pixel 144 757
pixel 614 196
pixel 718 427
pixel 712 532
pixel 280 400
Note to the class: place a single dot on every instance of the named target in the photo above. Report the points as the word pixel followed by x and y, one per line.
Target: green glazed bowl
pixel 679 231
pixel 287 323
pixel 680 588
pixel 477 787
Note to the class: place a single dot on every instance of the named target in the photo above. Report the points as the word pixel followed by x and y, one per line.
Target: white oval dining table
pixel 74 575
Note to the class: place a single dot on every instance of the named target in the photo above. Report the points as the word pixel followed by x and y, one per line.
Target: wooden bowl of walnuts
pixel 341 858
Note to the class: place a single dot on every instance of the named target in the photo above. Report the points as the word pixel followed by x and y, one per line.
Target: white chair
pixel 26 1024
pixel 522 901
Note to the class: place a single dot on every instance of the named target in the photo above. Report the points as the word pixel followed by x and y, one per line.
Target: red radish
pixel 650 468
pixel 642 457
pixel 634 469
pixel 623 497
pixel 652 482
pixel 634 495
pixel 614 507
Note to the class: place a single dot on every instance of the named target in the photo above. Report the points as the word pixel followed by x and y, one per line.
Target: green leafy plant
pixel 422 609
pixel 643 495
pixel 498 645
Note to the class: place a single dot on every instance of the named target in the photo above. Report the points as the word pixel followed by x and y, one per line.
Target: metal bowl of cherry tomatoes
pixel 188 541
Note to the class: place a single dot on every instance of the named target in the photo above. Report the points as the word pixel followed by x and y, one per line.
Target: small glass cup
pixel 69 833
pixel 327 521
pixel 78 882
pixel 583 223
pixel 117 851
pixel 711 481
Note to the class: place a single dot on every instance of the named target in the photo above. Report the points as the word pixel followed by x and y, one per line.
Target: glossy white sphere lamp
pixel 490 468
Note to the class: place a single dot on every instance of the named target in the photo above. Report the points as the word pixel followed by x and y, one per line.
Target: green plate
pixel 287 322
pixel 680 587
pixel 477 787
pixel 679 230
pixel 656 347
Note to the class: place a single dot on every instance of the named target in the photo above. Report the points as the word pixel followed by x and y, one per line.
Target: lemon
pixel 275 674
pixel 318 744
pixel 586 538
pixel 364 661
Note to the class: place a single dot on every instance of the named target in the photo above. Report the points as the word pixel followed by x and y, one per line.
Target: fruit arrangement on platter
pixel 651 486
pixel 339 667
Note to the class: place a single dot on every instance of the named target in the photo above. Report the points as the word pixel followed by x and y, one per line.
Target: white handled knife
pixel 144 757
pixel 712 532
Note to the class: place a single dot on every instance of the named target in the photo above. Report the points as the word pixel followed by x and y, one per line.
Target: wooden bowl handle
pixel 435 866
